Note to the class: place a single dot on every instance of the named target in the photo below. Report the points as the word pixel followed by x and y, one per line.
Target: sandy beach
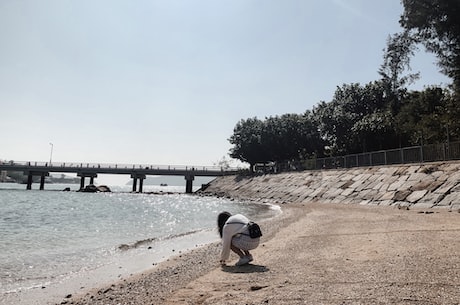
pixel 313 254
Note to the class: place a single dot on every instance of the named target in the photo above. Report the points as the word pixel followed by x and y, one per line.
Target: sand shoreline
pixel 314 254
pixel 120 270
pixel 154 286
pixel 120 266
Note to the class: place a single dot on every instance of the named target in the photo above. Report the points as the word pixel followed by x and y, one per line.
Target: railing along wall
pixel 414 154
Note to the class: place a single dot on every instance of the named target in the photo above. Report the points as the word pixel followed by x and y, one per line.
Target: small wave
pixel 138 243
pixel 125 247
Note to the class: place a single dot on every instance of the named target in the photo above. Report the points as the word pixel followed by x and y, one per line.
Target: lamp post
pixel 51 153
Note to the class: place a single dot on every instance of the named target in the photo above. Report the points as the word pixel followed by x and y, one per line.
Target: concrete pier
pixel 42 181
pixel 30 176
pixel 83 176
pixel 141 178
pixel 189 184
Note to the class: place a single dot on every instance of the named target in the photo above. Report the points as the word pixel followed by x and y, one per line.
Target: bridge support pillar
pixel 82 182
pixel 141 184
pixel 141 178
pixel 42 181
pixel 83 176
pixel 29 181
pixel 189 184
pixel 134 184
pixel 30 175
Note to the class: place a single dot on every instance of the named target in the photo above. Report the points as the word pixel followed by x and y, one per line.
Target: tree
pixel 358 119
pixel 282 139
pixel 396 60
pixel 424 116
pixel 246 140
pixel 436 25
pixel 311 142
pixel 291 137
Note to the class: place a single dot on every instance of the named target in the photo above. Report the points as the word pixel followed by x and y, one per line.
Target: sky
pixel 165 82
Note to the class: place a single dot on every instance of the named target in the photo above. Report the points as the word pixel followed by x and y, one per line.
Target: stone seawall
pixel 426 185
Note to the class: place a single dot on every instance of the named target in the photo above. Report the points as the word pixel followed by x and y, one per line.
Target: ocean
pixel 51 236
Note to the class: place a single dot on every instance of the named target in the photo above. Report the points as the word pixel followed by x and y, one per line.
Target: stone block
pixel 451 167
pixel 429 185
pixel 455 188
pixel 378 185
pixel 339 183
pixel 417 177
pixel 356 184
pixel 347 192
pixel 431 198
pixel 450 199
pixel 395 185
pixel 412 169
pixel 416 196
pixel 386 202
pixel 369 194
pixel 402 205
pixel 373 184
pixel 423 205
pixel 446 187
pixel 332 193
pixel 346 177
pixel 317 193
pixel 400 170
pixel 387 170
pixel 362 186
pixel 400 184
pixel 401 195
pixel 338 199
pixel 454 176
pixel 441 177
pixel 387 196
pixel 361 176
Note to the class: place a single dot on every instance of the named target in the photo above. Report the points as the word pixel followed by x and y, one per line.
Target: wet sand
pixel 312 254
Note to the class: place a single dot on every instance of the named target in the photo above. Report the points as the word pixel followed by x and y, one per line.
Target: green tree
pixel 311 142
pixel 396 61
pixel 424 116
pixel 247 142
pixel 436 25
pixel 282 139
pixel 291 137
pixel 356 120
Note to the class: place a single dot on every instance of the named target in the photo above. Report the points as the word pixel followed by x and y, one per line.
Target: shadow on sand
pixel 249 268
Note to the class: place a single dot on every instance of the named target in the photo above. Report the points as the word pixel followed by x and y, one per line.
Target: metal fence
pixel 415 154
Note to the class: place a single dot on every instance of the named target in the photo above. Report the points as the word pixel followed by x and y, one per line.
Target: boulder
pixel 103 188
pixel 91 188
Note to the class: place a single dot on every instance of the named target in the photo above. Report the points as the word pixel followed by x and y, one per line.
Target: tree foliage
pixel 276 139
pixel 436 25
pixel 382 114
pixel 423 116
pixel 357 119
pixel 247 141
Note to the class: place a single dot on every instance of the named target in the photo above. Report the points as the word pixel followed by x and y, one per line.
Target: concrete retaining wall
pixel 428 185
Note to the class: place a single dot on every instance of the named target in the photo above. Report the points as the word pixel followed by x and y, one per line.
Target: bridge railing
pixel 81 165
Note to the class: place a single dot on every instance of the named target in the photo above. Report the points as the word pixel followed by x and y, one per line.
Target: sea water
pixel 50 235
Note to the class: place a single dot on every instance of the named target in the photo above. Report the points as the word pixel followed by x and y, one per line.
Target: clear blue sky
pixel 165 82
